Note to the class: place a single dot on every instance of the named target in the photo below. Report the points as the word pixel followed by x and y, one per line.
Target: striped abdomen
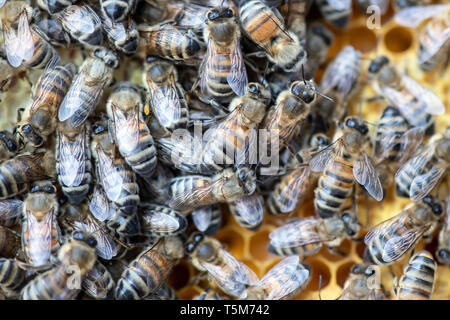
pixel 143 276
pixel 301 251
pixel 337 17
pixel 11 275
pixel 335 186
pixel 391 124
pixel 43 53
pixel 17 173
pixel 183 189
pixel 143 159
pixel 429 38
pixel 162 221
pixel 418 278
pixel 216 86
pixel 9 243
pixel 405 177
pixel 51 285
pixel 171 43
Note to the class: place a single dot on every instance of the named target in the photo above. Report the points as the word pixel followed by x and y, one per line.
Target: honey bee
pixel 162 221
pixel 117 10
pixel 17 173
pixel 73 161
pixel 402 4
pixel 9 145
pixel 172 43
pixel 87 87
pixel 357 286
pixel 417 281
pixel 416 103
pixel 190 192
pixel 99 283
pixel 44 56
pixel 148 272
pixel 83 24
pixel 248 211
pixel 9 242
pixel 264 26
pixel 231 275
pixel 420 174
pixel 40 119
pixel 54 6
pixel 336 12
pixel 133 138
pixel 222 71
pixel 17 35
pixel 12 277
pixel 305 236
pixel 286 279
pixel 391 239
pixel 434 38
pixel 443 249
pixel 117 180
pixel 166 96
pixel 63 282
pixel 382 5
pixel 318 41
pixel 123 36
pixel 295 185
pixel 342 163
pixel 207 219
pixel 54 32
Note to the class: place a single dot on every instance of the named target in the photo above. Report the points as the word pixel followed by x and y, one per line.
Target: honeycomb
pixel 396 42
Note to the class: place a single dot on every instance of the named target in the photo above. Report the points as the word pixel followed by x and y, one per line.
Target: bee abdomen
pixel 43 53
pixel 143 159
pixel 11 276
pixel 418 279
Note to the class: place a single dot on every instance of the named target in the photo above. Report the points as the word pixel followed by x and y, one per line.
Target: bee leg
pixel 83 53
pixel 19 114
pixel 257 54
pixel 337 251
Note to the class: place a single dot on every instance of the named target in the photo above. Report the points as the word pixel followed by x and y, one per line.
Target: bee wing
pixel 237 77
pixel 110 176
pixel 161 222
pixel 292 191
pixel 82 19
pixel 199 193
pixel 297 233
pixel 126 129
pixel 387 141
pixel 433 104
pixel 413 16
pixel 72 162
pixel 2 3
pixel 10 209
pixel 39 237
pixel 76 100
pixel 207 65
pixel 202 218
pixel 418 161
pixel 233 276
pixel 321 159
pixel 100 206
pixel 47 81
pixel 386 227
pixel 284 278
pixel 397 246
pixel 250 209
pixel 106 247
pixel 19 46
pixel 340 4
pixel 411 140
pixel 166 104
pixel 365 174
pixel 423 184
pixel 433 47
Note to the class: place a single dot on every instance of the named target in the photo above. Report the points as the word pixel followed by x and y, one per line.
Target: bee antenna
pixel 323 96
pixel 303 74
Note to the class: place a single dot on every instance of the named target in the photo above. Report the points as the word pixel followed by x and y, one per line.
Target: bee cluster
pixel 167 144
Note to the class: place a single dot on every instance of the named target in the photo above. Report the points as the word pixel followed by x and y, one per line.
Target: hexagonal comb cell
pixel 398 39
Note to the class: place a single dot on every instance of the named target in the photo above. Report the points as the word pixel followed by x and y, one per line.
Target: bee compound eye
pixel 190 247
pixel 363 129
pixel 92 242
pixel 213 15
pixel 350 123
pixel 78 235
pixel 253 88
pixel 444 254
pixel 369 272
pixel 437 209
pixel 198 237
pixel 356 269
pixel 228 13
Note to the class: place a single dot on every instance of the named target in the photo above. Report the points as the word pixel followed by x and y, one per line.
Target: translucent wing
pixel 386 143
pixel 413 16
pixel 233 276
pixel 387 227
pixel 423 184
pixel 285 277
pixel 110 176
pixel 166 104
pixel 250 209
pixel 340 4
pixel 2 3
pixel 39 238
pixel 417 162
pixel 46 82
pixel 433 104
pixel 77 104
pixel 434 46
pixel 237 77
pixel 297 233
pixel 411 140
pixel 202 218
pixel 126 129
pixel 321 159
pixel 161 222
pixel 80 19
pixel 397 246
pixel 10 209
pixel 289 196
pixel 72 161
pixel 207 65
pixel 19 46
pixel 365 174
pixel 100 206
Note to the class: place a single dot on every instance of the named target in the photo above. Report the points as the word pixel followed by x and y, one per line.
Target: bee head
pixel 354 123
pixel 304 90
pixel 219 13
pixel 436 206
pixel 443 256
pixel 351 224
pixel 258 92
pixel 9 141
pixel 107 56
pixel 158 69
pixel 30 134
pixel 246 179
pixel 45 187
pixel 84 237
pixel 99 127
pixel 319 140
pixel 377 63
pixel 222 25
